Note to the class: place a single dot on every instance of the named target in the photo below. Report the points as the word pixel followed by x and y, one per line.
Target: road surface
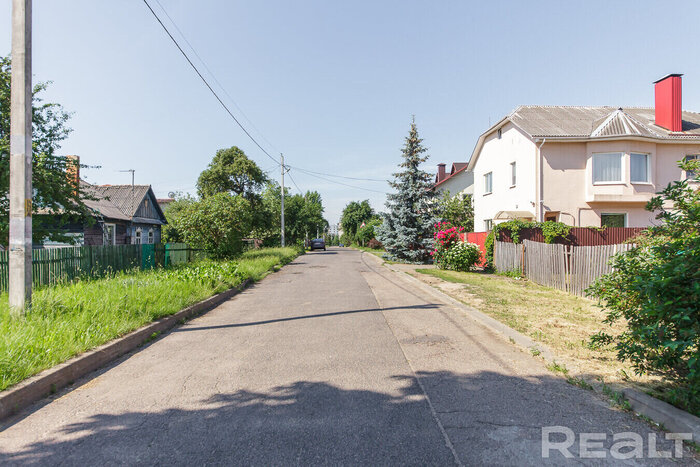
pixel 332 360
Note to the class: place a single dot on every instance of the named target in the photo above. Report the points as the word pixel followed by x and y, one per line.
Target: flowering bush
pixel 450 251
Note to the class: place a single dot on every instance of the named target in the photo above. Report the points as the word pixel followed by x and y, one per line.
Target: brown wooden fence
pixel 569 268
pixel 56 265
pixel 579 236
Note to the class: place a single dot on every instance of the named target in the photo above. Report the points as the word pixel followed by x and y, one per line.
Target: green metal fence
pixel 55 265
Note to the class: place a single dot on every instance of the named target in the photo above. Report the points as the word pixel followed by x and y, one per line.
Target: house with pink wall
pixel 584 166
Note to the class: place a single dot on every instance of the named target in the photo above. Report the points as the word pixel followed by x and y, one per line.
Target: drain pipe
pixel 539 215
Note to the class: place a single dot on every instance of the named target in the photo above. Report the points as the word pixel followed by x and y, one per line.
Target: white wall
pixel 462 182
pixel 496 156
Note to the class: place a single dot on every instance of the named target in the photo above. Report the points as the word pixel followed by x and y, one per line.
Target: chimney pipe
pixel 73 172
pixel 441 173
pixel 668 102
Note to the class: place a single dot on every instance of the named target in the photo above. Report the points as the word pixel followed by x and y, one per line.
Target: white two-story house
pixel 584 166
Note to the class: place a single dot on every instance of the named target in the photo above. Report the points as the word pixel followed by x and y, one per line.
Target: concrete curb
pixel 672 418
pixel 49 381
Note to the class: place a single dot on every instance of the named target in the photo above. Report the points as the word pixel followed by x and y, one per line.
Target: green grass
pixel 66 320
pixel 376 252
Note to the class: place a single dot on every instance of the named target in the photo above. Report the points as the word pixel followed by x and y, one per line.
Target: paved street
pixel 332 360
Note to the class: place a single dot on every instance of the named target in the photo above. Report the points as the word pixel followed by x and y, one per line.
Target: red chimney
pixel 73 172
pixel 668 105
pixel 441 173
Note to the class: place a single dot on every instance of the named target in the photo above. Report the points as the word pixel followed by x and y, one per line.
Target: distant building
pixel 334 229
pixel 460 180
pixel 164 202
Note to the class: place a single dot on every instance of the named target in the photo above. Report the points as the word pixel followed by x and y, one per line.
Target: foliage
pixel 55 197
pixel 457 209
pixel 462 256
pixel 172 212
pixel 367 233
pixel 215 224
pixel 69 319
pixel 354 214
pixel 303 216
pixel 450 251
pixel 551 230
pixel 230 171
pixel 406 232
pixel 655 289
pixel 375 244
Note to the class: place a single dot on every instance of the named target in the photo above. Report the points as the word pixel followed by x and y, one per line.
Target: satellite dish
pixel 171 194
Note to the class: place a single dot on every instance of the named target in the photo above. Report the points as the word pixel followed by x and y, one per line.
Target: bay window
pixel 639 168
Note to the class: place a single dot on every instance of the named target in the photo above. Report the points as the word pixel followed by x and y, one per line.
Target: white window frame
pixel 138 236
pixel 608 182
pixel 105 235
pixel 648 180
pixel 488 225
pixel 488 189
pixel 513 174
pixel 613 214
pixel 151 236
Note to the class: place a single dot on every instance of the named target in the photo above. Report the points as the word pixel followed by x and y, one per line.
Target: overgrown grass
pixel 559 320
pixel 69 319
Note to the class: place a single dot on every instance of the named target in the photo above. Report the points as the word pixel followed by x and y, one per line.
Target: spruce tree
pixel 407 230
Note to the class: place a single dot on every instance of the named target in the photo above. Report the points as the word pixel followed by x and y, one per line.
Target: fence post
pixel 522 260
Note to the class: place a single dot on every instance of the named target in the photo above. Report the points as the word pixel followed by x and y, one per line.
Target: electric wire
pixel 340 183
pixel 207 83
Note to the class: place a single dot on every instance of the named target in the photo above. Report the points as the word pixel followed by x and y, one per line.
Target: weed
pixel 512 341
pixel 535 351
pixel 617 398
pixel 555 367
pixel 580 382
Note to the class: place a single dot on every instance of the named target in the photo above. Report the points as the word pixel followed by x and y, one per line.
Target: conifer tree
pixel 407 230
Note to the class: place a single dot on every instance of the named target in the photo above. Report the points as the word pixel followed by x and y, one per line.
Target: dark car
pixel 318 244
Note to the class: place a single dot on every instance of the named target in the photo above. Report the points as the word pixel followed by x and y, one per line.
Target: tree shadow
pixel 490 418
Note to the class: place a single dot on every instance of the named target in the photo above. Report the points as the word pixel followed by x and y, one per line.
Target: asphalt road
pixel 332 360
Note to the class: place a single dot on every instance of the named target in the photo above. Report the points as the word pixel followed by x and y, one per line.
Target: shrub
pixel 462 256
pixel 655 288
pixel 375 244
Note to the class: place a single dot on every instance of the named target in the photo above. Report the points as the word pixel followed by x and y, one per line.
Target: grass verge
pixel 66 320
pixel 559 320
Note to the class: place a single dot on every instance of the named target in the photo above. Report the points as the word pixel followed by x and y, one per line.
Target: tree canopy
pixel 354 214
pixel 230 171
pixel 56 198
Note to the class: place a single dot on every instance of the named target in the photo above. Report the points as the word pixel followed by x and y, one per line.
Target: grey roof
pixel 118 201
pixel 592 122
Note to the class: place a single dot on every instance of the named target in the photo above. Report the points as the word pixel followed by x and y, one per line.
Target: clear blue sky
pixel 333 85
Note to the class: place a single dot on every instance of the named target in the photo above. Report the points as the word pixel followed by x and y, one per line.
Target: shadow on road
pixel 490 418
pixel 428 306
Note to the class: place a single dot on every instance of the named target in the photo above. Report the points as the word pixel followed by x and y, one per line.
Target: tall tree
pixel 354 214
pixel 407 230
pixel 458 210
pixel 230 171
pixel 56 198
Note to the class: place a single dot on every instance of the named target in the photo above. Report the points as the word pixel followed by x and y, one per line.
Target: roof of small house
pixel 563 123
pixel 457 167
pixel 120 201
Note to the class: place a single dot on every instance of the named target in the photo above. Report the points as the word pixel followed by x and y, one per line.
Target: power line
pixel 338 176
pixel 295 183
pixel 211 73
pixel 206 82
pixel 337 182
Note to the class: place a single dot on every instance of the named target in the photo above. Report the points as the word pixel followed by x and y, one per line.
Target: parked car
pixel 318 244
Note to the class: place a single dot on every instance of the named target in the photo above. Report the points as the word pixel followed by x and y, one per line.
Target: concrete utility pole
pixel 282 219
pixel 20 286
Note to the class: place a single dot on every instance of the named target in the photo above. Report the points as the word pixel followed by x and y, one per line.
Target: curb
pixel 52 379
pixel 671 418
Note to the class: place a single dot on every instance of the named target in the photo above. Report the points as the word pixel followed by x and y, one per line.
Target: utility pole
pixel 282 211
pixel 20 277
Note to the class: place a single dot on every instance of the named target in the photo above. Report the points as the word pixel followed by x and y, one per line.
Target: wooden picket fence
pixel 569 268
pixel 57 265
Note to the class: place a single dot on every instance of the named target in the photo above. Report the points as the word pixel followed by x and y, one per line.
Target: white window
pixel 689 174
pixel 512 174
pixel 150 236
pixel 613 220
pixel 137 237
pixel 639 167
pixel 607 167
pixel 109 236
pixel 488 225
pixel 488 183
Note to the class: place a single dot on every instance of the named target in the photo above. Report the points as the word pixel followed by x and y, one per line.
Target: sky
pixel 334 85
